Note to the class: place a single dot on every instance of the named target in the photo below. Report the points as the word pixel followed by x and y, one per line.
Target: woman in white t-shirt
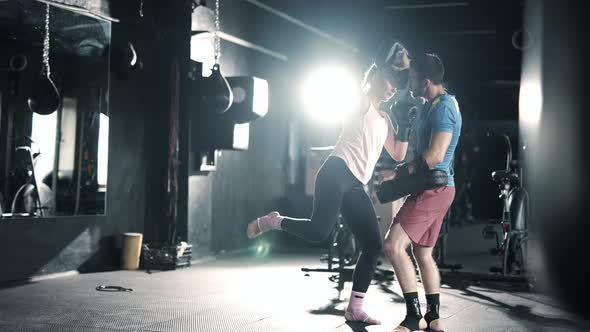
pixel 339 182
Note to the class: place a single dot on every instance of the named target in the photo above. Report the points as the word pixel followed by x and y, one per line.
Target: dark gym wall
pixel 137 162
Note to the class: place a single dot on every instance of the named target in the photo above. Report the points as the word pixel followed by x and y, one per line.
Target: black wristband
pixel 403 134
pixel 418 165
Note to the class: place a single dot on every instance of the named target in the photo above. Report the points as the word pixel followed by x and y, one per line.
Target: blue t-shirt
pixel 442 114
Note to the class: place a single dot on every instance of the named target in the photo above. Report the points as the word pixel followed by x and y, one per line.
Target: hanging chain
pixel 217 53
pixel 140 8
pixel 46 68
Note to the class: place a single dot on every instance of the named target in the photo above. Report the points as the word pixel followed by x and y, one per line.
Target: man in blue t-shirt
pixel 441 115
pixel 419 220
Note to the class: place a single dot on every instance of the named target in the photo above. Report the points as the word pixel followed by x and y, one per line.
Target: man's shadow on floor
pixel 463 282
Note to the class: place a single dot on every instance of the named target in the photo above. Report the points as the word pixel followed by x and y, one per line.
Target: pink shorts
pixel 422 215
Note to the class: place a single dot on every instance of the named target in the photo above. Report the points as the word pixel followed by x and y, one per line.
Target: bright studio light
pixel 531 103
pixel 331 94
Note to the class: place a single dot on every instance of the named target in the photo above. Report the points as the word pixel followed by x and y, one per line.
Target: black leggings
pixel 338 191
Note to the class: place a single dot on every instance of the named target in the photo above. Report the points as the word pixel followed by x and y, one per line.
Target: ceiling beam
pixel 467 33
pixel 252 46
pixel 428 5
pixel 303 25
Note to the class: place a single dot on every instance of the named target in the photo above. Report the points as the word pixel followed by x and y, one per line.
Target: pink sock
pixel 355 312
pixel 270 221
pixel 355 303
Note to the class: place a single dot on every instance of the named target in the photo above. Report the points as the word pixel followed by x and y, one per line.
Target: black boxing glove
pixel 404 114
pixel 401 186
pixel 418 166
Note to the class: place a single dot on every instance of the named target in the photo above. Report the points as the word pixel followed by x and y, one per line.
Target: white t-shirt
pixel 361 142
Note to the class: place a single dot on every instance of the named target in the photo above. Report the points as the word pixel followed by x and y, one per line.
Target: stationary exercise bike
pixel 343 254
pixel 439 253
pixel 511 244
pixel 343 250
pixel 26 201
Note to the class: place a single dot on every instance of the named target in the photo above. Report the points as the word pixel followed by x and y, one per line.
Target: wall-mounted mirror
pixel 53 146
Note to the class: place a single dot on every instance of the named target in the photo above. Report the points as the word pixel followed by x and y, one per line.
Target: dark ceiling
pixel 471 33
pixel 474 39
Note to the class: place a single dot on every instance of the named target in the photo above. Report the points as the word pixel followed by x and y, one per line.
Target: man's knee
pixel 394 249
pixel 423 255
pixel 396 242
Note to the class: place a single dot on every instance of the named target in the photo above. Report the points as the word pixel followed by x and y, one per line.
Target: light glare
pixel 103 150
pixel 331 94
pixel 530 103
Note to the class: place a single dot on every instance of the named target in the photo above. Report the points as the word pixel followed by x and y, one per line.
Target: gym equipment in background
pixel 514 233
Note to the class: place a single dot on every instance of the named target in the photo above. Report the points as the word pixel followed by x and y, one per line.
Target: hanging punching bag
pixel 216 93
pixel 44 98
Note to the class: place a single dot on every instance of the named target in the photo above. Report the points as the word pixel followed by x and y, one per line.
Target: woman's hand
pixel 386 175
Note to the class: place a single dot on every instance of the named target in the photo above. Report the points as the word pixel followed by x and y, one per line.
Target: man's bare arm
pixel 439 143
